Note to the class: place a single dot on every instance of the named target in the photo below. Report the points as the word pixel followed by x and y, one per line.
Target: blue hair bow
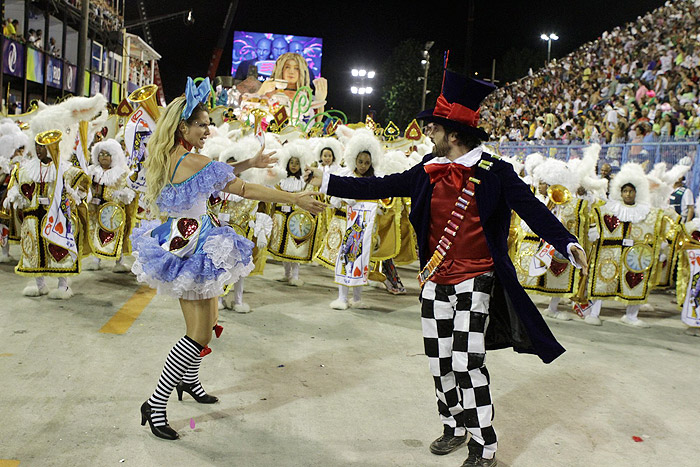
pixel 195 95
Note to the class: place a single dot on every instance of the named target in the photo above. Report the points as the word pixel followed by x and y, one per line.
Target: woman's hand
pixel 307 201
pixel 267 86
pixel 321 85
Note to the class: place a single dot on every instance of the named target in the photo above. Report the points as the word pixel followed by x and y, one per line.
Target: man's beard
pixel 441 148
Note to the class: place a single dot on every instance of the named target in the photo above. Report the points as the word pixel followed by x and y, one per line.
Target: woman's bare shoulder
pixel 189 166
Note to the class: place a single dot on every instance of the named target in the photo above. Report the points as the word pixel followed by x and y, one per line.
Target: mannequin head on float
pixel 262 49
pixel 363 165
pixel 279 47
pixel 628 193
pixel 293 69
pixel 327 157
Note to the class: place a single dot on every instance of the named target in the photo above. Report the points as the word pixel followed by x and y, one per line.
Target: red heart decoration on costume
pixel 353 215
pixel 218 329
pixel 178 242
pixel 696 235
pixel 59 228
pixel 611 222
pixel 187 226
pixel 214 200
pixel 634 278
pixel 27 190
pixel 57 252
pixel 557 268
pixel 357 272
pixel 205 351
pixel 105 237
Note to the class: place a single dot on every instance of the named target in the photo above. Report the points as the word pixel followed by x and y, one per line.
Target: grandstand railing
pixel 670 152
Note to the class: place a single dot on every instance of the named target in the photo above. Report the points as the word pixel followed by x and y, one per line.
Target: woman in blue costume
pixel 190 256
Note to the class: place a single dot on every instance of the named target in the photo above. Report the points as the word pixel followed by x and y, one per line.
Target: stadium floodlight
pixel 355 72
pixel 361 91
pixel 363 73
pixel 549 38
pixel 370 74
pixel 368 90
pixel 353 89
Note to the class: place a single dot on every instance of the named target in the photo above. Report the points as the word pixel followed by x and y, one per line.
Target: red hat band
pixel 456 112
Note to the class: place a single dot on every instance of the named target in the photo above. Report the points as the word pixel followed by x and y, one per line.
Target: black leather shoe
pixel 446 443
pixel 185 387
pixel 164 431
pixel 475 461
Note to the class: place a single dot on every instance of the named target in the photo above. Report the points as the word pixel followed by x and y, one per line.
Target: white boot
pixel 357 299
pixel 630 317
pixel 593 316
pixel 120 266
pixel 341 303
pixel 5 254
pixel 62 292
pixel 239 306
pixel 294 275
pixel 92 264
pixel 37 289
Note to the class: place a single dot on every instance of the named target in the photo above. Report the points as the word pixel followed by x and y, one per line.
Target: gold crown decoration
pixel 391 132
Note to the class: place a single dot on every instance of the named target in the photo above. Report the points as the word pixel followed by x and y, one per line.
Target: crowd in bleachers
pixel 104 12
pixel 637 83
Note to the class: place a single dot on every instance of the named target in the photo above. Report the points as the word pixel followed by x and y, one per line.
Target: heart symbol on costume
pixel 57 252
pixel 105 237
pixel 557 268
pixel 611 222
pixel 187 227
pixel 214 200
pixel 357 272
pixel 59 228
pixel 178 242
pixel 27 190
pixel 353 215
pixel 696 235
pixel 634 278
pixel 205 351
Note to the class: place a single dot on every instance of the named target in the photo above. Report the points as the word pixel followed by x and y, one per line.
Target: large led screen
pixel 262 49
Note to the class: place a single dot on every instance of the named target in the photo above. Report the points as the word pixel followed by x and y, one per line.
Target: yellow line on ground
pixel 8 463
pixel 125 317
pixel 6 355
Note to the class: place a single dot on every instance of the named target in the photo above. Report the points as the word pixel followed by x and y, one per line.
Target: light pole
pixel 549 38
pixel 362 89
pixel 426 65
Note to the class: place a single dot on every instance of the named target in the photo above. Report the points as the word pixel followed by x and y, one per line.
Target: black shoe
pixel 185 387
pixel 475 461
pixel 446 443
pixel 164 431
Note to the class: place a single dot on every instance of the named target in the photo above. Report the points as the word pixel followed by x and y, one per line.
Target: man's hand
pixel 263 160
pixel 307 201
pixel 580 257
pixel 313 176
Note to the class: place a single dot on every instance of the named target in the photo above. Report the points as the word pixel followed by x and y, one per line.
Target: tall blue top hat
pixel 457 108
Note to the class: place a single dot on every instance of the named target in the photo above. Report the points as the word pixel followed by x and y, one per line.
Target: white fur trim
pixel 114 149
pixel 36 170
pixel 555 172
pixel 109 177
pixel 330 143
pixel 634 213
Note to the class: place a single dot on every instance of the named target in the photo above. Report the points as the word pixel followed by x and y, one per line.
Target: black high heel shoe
pixel 164 432
pixel 187 387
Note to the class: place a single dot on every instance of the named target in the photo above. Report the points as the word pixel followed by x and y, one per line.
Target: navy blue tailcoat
pixel 514 320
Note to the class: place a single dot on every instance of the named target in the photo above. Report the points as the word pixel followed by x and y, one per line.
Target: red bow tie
pixel 454 172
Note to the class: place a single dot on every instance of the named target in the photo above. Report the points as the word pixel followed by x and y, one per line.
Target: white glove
pixel 593 234
pixel 262 228
pixel 125 195
pixel 662 258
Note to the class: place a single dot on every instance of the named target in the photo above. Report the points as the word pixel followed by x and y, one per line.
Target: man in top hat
pixel 471 300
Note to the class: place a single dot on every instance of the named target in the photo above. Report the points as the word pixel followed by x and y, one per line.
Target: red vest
pixel 469 255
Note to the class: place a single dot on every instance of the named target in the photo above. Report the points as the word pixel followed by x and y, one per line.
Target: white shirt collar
pixel 467 160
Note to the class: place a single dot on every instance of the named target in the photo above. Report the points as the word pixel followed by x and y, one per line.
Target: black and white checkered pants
pixel 454 320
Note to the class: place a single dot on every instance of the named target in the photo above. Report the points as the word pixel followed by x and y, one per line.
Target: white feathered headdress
pixel 633 174
pixel 113 148
pixel 362 140
pixel 555 172
pixel 331 143
pixel 532 161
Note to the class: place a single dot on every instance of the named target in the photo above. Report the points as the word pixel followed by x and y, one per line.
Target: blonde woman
pixel 189 256
pixel 292 72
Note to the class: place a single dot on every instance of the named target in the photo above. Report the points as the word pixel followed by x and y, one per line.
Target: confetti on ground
pixel 280 366
pixel 637 439
pixel 192 423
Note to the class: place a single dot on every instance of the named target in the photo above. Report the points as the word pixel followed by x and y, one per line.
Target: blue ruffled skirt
pixel 188 258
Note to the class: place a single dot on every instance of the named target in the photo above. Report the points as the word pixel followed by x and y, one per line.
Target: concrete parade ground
pixel 301 384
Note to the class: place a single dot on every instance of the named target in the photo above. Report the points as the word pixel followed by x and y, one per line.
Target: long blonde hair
pixel 301 62
pixel 160 145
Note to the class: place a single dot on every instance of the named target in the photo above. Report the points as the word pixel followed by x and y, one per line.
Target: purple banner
pixel 95 84
pixel 13 55
pixel 69 77
pixel 106 89
pixel 54 72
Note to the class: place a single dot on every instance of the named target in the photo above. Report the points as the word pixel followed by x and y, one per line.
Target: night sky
pixel 363 33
